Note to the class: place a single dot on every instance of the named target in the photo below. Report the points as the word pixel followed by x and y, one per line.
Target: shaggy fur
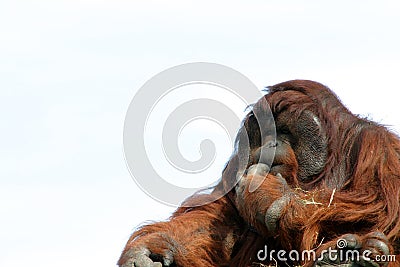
pixel 357 192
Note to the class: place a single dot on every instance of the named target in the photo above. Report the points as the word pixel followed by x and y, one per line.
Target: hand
pixel 356 251
pixel 152 250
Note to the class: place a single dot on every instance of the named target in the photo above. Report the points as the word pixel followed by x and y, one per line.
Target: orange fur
pixel 358 192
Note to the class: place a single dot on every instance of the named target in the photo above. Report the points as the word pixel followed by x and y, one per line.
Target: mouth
pixel 263 169
pixel 259 172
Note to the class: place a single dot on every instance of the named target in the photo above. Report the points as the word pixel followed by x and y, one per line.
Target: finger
pixel 168 258
pixel 144 261
pixel 274 212
pixel 367 263
pixel 259 172
pixel 259 169
pixel 282 181
pixel 352 241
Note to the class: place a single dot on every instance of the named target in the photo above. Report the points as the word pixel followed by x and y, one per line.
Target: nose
pixel 270 144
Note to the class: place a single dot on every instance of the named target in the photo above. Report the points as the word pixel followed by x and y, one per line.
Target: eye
pixel 284 130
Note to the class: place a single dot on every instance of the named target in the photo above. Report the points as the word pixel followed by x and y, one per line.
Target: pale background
pixel 69 69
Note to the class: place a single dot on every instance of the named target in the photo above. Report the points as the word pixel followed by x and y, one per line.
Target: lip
pixel 277 165
pixel 277 168
pixel 258 168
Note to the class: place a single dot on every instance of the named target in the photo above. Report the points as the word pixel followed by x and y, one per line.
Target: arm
pixel 199 236
pixel 303 221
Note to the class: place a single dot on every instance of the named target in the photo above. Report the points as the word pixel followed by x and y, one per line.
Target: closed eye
pixel 284 130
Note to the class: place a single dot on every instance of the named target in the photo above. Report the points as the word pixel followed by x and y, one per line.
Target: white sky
pixel 69 69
